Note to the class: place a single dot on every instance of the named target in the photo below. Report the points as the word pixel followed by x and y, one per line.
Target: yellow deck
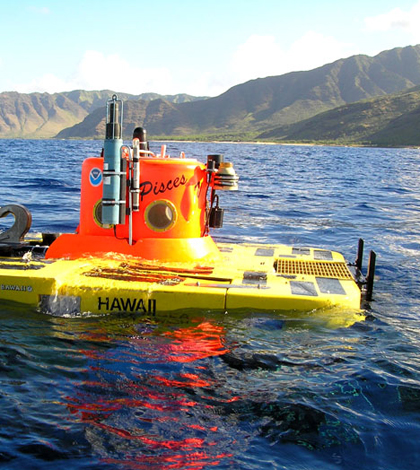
pixel 253 277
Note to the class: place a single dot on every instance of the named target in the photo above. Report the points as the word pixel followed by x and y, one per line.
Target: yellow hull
pixel 272 278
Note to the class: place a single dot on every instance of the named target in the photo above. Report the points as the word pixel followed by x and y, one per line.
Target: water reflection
pixel 163 396
pixel 143 404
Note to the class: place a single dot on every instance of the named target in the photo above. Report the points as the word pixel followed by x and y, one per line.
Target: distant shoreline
pixel 247 142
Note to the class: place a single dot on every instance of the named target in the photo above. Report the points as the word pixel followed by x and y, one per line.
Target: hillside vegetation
pixel 391 120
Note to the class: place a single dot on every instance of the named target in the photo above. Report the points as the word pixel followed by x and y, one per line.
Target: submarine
pixel 144 245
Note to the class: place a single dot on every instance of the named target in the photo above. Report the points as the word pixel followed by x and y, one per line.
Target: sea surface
pixel 250 391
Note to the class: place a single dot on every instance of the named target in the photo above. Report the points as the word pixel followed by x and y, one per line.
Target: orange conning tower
pixel 169 225
pixel 172 195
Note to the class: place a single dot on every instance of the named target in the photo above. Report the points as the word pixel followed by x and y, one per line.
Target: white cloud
pixel 200 83
pixel 395 19
pixel 97 71
pixel 256 57
pixel 261 56
pixel 47 82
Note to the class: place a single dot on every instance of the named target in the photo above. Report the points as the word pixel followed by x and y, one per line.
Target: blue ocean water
pixel 249 392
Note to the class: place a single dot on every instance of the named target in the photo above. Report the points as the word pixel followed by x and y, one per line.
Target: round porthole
pixel 160 216
pixel 97 213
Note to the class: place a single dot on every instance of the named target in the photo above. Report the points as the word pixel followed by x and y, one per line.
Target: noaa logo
pixel 95 176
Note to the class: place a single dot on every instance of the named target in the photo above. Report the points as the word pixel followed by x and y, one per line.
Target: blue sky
pixel 200 47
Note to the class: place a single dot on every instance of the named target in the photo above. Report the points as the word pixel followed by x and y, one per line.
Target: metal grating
pixel 335 269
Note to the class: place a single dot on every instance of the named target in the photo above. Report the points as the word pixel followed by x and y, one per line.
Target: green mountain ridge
pixel 290 107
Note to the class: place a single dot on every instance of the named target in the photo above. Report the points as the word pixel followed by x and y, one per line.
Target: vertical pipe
pixel 370 276
pixel 135 187
pixel 112 163
pixel 359 259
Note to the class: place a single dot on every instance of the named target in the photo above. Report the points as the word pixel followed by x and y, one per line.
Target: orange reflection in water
pixel 160 408
pixel 198 342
